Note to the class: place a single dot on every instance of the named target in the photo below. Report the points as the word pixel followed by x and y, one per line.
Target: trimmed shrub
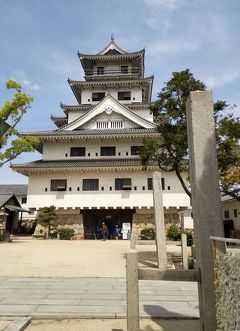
pixel 191 263
pixel 147 234
pixel 27 227
pixel 173 232
pixel 65 233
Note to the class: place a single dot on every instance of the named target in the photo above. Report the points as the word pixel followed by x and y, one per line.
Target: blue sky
pixel 39 41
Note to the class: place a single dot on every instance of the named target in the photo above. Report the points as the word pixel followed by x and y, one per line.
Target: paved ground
pixel 94 297
pixel 85 279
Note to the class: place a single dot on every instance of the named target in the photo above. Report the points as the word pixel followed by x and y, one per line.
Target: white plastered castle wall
pixel 136 94
pixel 74 114
pixel 173 195
pixel 58 151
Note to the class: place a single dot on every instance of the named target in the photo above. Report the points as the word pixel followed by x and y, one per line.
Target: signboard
pixel 126 230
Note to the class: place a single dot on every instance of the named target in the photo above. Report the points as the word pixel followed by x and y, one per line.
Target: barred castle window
pixel 100 70
pixel 77 151
pixel 108 151
pixel 90 185
pixel 98 96
pixel 124 69
pixel 124 95
pixel 58 185
pixel 123 184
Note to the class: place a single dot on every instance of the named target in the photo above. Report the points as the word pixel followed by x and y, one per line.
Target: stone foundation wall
pixel 144 218
pixel 70 218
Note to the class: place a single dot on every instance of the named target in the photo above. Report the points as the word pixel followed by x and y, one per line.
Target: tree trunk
pixel 179 176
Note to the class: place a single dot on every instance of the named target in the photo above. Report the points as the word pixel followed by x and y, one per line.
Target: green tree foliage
pixel 171 150
pixel 48 218
pixel 11 113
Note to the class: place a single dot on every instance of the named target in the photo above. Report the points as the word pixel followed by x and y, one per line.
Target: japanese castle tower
pixel 90 167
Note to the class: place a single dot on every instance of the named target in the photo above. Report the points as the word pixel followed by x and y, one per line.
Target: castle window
pixel 226 214
pixel 100 70
pixel 90 185
pixel 235 212
pixel 150 183
pixel 123 183
pixel 98 96
pixel 124 69
pixel 24 200
pixel 108 151
pixel 135 150
pixel 124 95
pixel 163 184
pixel 58 185
pixel 77 151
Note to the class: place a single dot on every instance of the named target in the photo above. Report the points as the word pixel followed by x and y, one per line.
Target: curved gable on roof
pixel 111 49
pixel 108 104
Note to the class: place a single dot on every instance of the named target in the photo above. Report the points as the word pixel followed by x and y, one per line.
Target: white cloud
pixel 22 78
pixel 32 86
pixel 170 4
pixel 222 79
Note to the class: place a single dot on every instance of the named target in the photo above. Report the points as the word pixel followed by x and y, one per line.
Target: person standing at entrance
pixel 104 231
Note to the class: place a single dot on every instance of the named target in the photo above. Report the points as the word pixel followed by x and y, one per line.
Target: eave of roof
pixel 82 165
pixel 112 56
pixel 145 80
pixel 136 105
pixel 4 198
pixel 92 134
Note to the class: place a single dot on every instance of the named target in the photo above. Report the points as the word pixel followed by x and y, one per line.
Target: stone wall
pixel 142 218
pixel 145 218
pixel 67 218
pixel 227 268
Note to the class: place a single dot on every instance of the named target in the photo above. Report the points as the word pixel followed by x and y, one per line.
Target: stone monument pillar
pixel 206 200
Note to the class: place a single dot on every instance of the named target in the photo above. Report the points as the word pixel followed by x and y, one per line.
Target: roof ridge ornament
pixel 112 37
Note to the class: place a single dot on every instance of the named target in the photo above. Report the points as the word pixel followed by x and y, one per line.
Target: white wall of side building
pixel 232 208
pixel 173 195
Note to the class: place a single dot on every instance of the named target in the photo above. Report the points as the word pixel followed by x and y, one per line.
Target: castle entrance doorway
pixel 93 218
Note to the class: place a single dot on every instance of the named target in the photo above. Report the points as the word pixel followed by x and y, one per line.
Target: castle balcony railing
pixel 110 73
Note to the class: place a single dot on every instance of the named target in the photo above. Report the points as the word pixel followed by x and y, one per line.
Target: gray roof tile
pixel 82 163
pixel 16 189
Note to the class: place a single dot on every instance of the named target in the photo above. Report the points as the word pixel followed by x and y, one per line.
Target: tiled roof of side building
pixel 83 163
pixel 16 189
